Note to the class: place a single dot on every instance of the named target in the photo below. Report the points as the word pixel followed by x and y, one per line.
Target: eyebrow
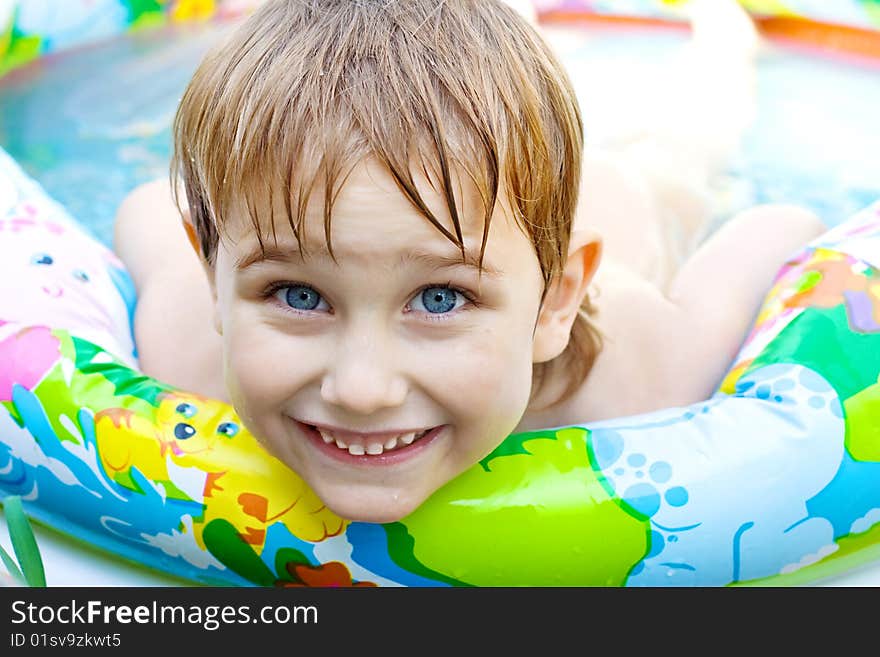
pixel 432 260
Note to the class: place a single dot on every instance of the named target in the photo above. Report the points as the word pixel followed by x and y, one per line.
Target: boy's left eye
pixel 437 300
pixel 301 297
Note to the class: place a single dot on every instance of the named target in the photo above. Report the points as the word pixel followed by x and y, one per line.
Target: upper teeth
pixel 373 447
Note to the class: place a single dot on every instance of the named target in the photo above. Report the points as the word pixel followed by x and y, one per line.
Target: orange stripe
pixel 837 38
pixel 586 17
pixel 828 37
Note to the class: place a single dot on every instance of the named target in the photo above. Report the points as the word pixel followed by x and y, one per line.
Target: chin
pixel 378 513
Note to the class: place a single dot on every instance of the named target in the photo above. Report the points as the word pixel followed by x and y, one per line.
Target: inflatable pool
pixel 772 481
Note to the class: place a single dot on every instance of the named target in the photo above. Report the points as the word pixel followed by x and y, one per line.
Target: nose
pixel 362 377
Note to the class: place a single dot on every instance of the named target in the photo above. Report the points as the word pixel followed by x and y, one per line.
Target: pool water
pixel 91 124
pixel 814 132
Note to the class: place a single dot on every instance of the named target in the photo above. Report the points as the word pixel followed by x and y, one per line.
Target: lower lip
pixel 385 458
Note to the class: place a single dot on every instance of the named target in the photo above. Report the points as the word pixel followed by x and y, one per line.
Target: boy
pixel 393 265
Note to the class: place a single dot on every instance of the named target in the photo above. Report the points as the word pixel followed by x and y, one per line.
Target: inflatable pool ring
pixel 30 29
pixel 850 13
pixel 775 479
pixel 846 28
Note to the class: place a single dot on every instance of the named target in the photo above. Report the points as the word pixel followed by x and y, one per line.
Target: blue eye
pixel 186 410
pixel 80 275
pixel 438 299
pixel 301 297
pixel 41 259
pixel 228 429
pixel 182 431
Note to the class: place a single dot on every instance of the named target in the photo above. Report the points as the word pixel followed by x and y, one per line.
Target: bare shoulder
pixel 639 327
pixel 177 342
pixel 148 231
pixel 666 349
pixel 643 334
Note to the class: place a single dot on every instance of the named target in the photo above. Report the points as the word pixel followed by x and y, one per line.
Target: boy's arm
pixel 717 293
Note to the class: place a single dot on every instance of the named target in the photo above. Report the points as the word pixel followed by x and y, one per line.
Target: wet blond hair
pixel 306 89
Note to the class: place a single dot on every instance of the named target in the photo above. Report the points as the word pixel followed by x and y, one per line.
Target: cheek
pixel 261 368
pixel 491 378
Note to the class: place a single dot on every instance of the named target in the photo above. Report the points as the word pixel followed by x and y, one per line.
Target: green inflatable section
pixel 492 522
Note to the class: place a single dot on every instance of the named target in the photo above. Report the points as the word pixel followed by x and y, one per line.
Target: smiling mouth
pixel 366 445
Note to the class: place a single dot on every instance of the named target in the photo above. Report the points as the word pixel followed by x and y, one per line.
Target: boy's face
pixel 382 377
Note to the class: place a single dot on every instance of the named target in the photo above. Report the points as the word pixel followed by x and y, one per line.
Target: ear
pixel 191 233
pixel 565 295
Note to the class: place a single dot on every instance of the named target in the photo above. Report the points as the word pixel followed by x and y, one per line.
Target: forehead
pixel 371 214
